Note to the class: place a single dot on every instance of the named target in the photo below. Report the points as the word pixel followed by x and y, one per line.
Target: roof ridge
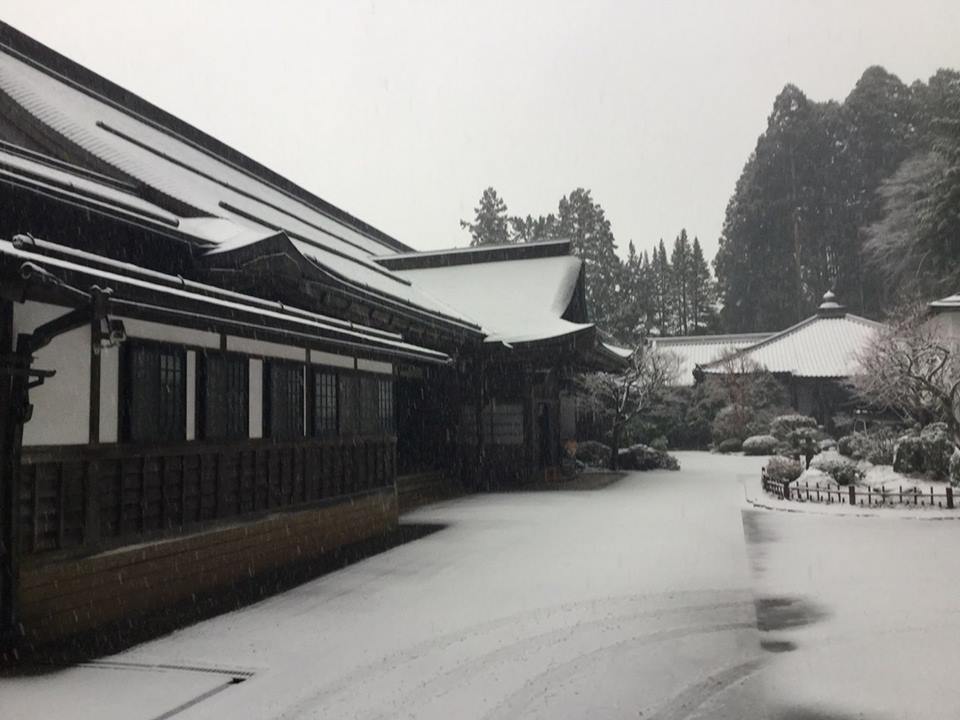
pixel 45 59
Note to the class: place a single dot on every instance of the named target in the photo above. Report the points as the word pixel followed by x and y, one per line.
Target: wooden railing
pixel 78 500
pixel 832 493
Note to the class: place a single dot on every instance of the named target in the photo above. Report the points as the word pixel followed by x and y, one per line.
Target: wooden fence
pixel 832 493
pixel 79 500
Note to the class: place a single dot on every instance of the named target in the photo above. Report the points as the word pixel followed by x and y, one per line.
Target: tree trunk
pixel 615 448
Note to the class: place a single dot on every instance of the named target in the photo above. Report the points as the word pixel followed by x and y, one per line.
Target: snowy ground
pixel 641 599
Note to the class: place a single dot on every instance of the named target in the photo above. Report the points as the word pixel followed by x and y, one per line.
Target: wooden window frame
pixel 125 390
pixel 268 409
pixel 202 405
pixel 317 372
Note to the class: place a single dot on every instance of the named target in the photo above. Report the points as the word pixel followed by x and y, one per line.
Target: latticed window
pixel 154 393
pixel 284 393
pixel 325 397
pixel 225 396
pixel 387 414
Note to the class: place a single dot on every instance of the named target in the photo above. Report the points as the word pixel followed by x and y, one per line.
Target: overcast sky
pixel 402 112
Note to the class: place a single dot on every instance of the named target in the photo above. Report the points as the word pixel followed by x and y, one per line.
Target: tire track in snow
pixel 538 685
pixel 375 671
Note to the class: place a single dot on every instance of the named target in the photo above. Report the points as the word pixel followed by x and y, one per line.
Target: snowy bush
pixel 593 454
pixel 729 445
pixel 876 446
pixel 955 468
pixel 760 445
pixel 842 424
pixel 660 443
pixel 783 469
pixel 929 452
pixel 842 471
pixel 738 422
pixel 644 457
pixel 828 443
pixel 783 425
pixel 805 442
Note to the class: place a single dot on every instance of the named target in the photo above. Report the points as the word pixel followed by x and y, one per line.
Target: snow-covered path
pixel 634 598
pixel 637 600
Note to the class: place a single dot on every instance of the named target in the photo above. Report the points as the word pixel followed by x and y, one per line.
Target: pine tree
pixel 584 223
pixel 662 282
pixel 680 282
pixel 702 292
pixel 533 229
pixel 490 225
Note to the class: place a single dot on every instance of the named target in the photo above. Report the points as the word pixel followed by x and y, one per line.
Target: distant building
pixel 692 351
pixel 945 316
pixel 813 359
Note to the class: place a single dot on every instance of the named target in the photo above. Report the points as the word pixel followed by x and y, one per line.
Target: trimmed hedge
pixel 843 472
pixel 594 454
pixel 783 469
pixel 644 457
pixel 760 445
pixel 730 445
pixel 783 425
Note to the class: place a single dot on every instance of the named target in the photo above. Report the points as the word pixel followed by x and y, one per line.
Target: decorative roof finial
pixel 830 307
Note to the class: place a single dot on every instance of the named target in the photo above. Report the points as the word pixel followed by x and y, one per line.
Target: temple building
pixel 207 372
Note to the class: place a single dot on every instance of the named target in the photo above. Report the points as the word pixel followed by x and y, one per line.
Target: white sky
pixel 402 112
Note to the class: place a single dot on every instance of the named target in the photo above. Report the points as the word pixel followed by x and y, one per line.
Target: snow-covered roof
pixel 826 345
pixel 233 206
pixel 951 302
pixel 119 276
pixel 513 301
pixel 694 350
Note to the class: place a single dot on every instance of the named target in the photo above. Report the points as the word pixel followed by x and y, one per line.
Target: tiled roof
pixel 947 303
pixel 694 350
pixel 825 345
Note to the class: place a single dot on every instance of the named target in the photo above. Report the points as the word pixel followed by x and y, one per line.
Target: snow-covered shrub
pixel 908 454
pixel 876 446
pixel 842 424
pixel 760 445
pixel 783 469
pixel 805 442
pixel 937 450
pixel 843 471
pixel 729 423
pixel 929 452
pixel 783 425
pixel 644 457
pixel 850 446
pixel 593 453
pixel 729 445
pixel 828 443
pixel 955 468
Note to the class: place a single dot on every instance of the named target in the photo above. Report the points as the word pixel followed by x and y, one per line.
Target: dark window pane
pixel 155 393
pixel 225 396
pixel 349 405
pixel 369 405
pixel 325 403
pixel 387 412
pixel 285 400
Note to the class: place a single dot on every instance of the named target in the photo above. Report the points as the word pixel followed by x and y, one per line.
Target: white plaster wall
pixel 170 333
pixel 61 406
pixel 265 349
pixel 375 366
pixel 318 357
pixel 109 394
pixel 256 398
pixel 947 324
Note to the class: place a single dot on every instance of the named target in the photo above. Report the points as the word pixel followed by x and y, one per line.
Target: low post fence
pixel 862 496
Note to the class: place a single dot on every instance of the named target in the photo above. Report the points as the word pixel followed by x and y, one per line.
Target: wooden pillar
pixel 8 494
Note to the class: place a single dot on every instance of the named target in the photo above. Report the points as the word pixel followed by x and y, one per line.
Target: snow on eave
pixel 470 249
pixel 951 302
pixel 193 291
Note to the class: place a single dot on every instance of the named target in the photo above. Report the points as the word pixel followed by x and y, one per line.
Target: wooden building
pixel 813 359
pixel 207 372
